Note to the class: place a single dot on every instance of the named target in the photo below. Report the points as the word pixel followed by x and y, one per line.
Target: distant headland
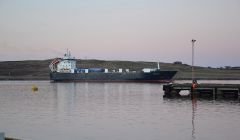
pixel 39 69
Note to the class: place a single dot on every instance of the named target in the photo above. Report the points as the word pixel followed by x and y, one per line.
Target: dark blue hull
pixel 156 76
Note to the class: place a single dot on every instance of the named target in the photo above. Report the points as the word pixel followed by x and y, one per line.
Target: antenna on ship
pixel 68 54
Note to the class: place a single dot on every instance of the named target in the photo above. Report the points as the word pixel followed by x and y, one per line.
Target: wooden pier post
pixel 238 93
pixel 214 93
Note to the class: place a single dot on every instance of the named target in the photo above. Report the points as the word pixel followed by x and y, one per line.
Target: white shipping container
pixel 146 70
pixel 106 70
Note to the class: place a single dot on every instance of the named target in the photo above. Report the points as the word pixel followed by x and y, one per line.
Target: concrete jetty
pixel 215 91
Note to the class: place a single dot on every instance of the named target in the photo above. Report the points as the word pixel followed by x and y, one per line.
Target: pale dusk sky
pixel 135 30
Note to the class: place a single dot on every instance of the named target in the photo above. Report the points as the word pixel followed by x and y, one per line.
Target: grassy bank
pixel 39 70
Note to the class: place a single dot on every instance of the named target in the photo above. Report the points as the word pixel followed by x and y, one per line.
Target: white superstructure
pixel 67 64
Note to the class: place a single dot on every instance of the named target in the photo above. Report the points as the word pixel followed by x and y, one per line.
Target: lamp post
pixel 193 41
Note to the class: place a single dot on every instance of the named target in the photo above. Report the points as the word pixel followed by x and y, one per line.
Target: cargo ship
pixel 64 69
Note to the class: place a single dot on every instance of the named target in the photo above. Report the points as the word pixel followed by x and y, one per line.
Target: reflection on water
pixel 111 111
pixel 194 109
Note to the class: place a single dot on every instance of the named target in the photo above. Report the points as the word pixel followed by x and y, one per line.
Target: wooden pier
pixel 215 91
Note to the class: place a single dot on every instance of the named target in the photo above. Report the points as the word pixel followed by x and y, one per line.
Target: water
pixel 112 111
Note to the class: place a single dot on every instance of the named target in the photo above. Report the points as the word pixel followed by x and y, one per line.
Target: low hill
pixel 39 70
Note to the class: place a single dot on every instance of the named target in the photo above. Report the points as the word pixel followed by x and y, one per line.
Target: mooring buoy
pixel 34 88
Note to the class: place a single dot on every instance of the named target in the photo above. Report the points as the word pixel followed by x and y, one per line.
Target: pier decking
pixel 214 91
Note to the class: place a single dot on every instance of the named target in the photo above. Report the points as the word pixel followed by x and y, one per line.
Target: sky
pixel 134 30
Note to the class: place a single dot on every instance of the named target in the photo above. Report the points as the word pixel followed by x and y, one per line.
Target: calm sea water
pixel 112 111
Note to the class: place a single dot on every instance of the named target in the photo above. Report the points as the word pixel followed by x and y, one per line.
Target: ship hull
pixel 156 76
